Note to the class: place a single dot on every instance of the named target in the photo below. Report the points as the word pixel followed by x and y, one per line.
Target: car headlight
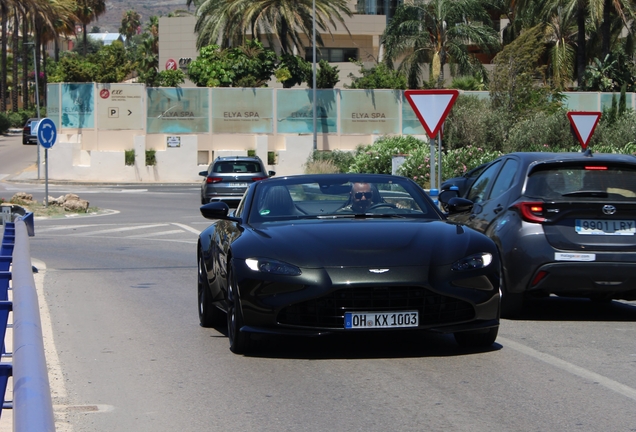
pixel 472 262
pixel 271 266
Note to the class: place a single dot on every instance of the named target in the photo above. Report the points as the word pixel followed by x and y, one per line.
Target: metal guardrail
pixel 32 404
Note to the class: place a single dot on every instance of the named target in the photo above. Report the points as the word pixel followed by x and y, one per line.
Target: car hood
pixel 366 242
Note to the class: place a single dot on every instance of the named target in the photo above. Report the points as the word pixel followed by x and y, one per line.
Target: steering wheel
pixel 382 204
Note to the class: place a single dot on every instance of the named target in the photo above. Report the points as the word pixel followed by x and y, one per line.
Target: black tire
pixel 209 314
pixel 511 303
pixel 477 338
pixel 600 299
pixel 239 341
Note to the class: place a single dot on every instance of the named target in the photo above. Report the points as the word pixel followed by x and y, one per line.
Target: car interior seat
pixel 278 202
pixel 226 168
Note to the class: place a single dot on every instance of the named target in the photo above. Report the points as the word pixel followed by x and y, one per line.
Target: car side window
pixel 505 178
pixel 477 192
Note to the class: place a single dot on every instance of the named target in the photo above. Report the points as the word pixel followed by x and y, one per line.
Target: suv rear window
pixel 237 167
pixel 583 181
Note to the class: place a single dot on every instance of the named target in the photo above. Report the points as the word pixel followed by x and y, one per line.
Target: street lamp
pixel 37 96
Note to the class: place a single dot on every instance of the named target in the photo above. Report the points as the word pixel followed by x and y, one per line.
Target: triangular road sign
pixel 431 107
pixel 584 123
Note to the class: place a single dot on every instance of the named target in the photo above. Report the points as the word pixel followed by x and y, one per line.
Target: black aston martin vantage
pixel 318 254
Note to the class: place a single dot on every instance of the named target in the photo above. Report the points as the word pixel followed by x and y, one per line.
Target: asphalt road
pixel 129 354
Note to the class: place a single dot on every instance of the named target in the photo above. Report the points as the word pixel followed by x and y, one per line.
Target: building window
pixel 332 55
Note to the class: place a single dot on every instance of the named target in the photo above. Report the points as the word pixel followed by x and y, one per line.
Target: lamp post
pixel 37 97
pixel 313 60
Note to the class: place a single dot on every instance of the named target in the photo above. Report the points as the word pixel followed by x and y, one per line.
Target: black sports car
pixel 318 254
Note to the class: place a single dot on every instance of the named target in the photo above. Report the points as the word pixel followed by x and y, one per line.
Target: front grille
pixel 328 311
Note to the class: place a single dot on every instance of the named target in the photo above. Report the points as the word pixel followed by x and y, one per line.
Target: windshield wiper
pixel 360 216
pixel 587 193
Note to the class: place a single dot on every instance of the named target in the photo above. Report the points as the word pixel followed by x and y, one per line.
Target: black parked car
pixel 564 223
pixel 227 178
pixel 318 254
pixel 465 181
pixel 27 137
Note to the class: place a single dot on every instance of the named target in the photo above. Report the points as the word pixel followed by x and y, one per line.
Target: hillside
pixel 111 20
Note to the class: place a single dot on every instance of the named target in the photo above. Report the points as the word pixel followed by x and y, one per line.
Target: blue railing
pixel 32 404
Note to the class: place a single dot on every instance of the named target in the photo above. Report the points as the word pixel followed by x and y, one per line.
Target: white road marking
pixel 571 368
pixel 59 228
pixel 112 230
pixel 187 228
pixel 155 234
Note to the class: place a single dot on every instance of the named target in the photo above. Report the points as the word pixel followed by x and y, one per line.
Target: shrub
pixel 271 158
pixel 324 166
pixel 339 159
pixel 129 157
pixel 378 157
pixel 541 132
pixel 151 157
pixel 5 123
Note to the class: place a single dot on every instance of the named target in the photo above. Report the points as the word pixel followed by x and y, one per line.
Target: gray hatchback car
pixel 564 224
pixel 227 178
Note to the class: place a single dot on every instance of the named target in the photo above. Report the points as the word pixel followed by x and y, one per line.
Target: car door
pixel 478 193
pixel 500 195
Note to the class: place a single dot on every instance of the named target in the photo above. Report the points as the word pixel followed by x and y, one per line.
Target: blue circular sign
pixel 47 133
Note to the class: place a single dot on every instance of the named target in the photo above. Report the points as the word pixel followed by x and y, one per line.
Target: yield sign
pixel 431 107
pixel 584 123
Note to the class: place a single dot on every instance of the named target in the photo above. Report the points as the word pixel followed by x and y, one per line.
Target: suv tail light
pixel 213 179
pixel 258 178
pixel 531 211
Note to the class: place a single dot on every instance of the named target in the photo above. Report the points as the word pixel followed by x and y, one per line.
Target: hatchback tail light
pixel 531 211
pixel 258 178
pixel 213 179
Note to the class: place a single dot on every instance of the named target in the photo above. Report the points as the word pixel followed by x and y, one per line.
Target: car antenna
pixel 588 153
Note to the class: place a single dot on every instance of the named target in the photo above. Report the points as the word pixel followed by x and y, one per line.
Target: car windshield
pixel 390 197
pixel 583 182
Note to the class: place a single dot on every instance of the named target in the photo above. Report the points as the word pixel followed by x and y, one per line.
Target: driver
pixel 360 198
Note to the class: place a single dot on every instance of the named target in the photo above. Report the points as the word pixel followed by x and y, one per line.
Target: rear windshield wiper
pixel 587 193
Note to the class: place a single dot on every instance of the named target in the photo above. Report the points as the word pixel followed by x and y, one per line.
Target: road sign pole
pixel 46 177
pixel 439 160
pixel 432 163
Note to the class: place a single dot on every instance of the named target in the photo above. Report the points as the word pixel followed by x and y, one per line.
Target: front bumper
pixel 315 302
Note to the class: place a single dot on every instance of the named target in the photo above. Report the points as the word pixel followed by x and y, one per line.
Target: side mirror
pixel 218 210
pixel 271 173
pixel 203 173
pixel 448 194
pixel 459 205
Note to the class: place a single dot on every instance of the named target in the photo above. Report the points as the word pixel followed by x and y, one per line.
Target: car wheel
pixel 511 303
pixel 476 338
pixel 209 315
pixel 601 299
pixel 239 341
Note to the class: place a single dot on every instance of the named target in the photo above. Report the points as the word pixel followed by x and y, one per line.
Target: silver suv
pixel 227 178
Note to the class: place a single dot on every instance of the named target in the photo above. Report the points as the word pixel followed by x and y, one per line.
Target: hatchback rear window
pixel 237 167
pixel 583 181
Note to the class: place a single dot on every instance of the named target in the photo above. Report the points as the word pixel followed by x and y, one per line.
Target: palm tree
pixel 437 32
pixel 228 22
pixel 560 34
pixel 87 11
pixel 130 22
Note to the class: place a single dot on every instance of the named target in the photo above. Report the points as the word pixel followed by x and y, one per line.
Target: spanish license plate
pixel 237 184
pixel 370 320
pixel 605 227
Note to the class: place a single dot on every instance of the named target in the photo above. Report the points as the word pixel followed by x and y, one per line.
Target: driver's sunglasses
pixel 367 195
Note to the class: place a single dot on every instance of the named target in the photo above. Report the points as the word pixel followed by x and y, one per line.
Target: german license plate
pixel 370 320
pixel 605 227
pixel 237 184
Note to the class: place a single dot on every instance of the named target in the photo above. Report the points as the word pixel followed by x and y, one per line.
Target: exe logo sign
pixel 105 93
